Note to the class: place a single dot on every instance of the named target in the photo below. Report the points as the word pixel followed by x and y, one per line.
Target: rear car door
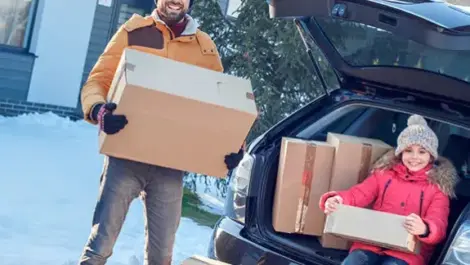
pixel 421 46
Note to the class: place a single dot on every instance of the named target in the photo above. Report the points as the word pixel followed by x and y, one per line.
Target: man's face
pixel 172 11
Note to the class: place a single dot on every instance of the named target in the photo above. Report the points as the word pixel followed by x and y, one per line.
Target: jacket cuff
pixel 432 235
pixel 88 107
pixel 325 197
pixel 95 111
pixel 426 234
pixel 344 196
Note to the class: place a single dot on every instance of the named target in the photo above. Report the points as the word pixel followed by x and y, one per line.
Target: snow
pixel 50 170
pixel 211 197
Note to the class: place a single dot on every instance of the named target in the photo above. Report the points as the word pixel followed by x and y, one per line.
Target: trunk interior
pixel 454 145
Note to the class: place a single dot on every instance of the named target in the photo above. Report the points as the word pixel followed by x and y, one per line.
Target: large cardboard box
pixel 200 260
pixel 303 176
pixel 374 227
pixel 354 157
pixel 180 116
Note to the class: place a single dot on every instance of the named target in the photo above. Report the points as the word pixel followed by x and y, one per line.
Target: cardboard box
pixel 374 227
pixel 180 116
pixel 354 157
pixel 303 176
pixel 199 260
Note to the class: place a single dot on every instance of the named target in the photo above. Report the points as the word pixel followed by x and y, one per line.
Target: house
pixel 48 48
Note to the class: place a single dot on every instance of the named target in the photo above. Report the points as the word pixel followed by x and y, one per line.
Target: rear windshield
pixel 363 45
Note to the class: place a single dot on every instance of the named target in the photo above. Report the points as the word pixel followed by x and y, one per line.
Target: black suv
pixel 389 59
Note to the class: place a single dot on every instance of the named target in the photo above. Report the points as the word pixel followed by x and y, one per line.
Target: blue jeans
pixel 161 190
pixel 364 257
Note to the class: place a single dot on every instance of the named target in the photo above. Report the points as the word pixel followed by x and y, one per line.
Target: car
pixel 381 60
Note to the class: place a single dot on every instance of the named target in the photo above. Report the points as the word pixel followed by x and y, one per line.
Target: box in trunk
pixel 303 176
pixel 200 260
pixel 180 116
pixel 354 157
pixel 374 227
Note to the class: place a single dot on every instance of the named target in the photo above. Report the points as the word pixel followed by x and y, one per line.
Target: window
pixel 126 11
pixel 326 70
pixel 15 22
pixel 363 45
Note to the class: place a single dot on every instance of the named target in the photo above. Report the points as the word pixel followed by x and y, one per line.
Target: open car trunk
pixel 394 43
pixel 414 47
pixel 455 146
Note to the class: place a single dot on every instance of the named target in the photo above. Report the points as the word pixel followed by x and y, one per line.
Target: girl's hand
pixel 415 225
pixel 332 203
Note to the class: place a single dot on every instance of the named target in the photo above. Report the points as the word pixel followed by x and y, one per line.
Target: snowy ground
pixel 50 174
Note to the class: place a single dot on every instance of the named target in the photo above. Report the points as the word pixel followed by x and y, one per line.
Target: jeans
pixel 364 257
pixel 161 190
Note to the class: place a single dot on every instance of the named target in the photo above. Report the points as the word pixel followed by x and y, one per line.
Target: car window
pixel 326 70
pixel 341 124
pixel 363 45
pixel 363 121
pixel 386 125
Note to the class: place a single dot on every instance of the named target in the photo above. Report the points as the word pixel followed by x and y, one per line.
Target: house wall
pixel 16 64
pixel 15 73
pixel 62 53
pixel 100 34
pixel 61 45
pixel 106 22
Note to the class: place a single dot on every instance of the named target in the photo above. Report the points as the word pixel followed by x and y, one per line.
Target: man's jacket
pixel 152 35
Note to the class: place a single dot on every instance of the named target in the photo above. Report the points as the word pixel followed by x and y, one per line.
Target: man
pixel 169 32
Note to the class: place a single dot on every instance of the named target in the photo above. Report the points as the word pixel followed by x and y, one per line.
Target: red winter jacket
pixel 391 188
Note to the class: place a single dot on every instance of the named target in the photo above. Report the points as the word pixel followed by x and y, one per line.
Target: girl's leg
pixel 361 257
pixel 393 261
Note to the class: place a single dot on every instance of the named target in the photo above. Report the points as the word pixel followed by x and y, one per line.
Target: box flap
pixel 190 81
pixel 200 260
pixel 350 138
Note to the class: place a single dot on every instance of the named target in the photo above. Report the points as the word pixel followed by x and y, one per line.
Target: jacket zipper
pixel 385 190
pixel 421 199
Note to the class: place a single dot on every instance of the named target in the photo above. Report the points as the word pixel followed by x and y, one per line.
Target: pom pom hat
pixel 419 133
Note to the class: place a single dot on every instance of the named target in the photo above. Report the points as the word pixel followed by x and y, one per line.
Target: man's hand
pixel 108 122
pixel 331 204
pixel 415 225
pixel 232 159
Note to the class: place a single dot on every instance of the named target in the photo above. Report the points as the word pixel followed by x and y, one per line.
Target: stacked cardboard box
pixel 354 156
pixel 303 176
pixel 172 119
pixel 308 169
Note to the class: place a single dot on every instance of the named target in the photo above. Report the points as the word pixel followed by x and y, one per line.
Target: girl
pixel 411 181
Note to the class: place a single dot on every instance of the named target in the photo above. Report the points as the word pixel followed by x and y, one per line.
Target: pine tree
pixel 271 54
pixel 212 21
pixel 209 15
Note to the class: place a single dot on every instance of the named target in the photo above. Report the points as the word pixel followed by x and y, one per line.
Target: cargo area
pixel 362 121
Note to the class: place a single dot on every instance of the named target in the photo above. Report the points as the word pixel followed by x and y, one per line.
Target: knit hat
pixel 191 2
pixel 418 132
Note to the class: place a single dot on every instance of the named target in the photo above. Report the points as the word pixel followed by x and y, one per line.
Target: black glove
pixel 233 159
pixel 108 122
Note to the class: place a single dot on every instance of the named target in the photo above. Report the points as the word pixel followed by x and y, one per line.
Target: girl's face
pixel 415 158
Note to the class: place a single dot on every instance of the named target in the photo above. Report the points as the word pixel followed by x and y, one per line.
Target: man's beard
pixel 169 16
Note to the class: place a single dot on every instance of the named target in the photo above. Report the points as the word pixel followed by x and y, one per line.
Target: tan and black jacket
pixel 149 34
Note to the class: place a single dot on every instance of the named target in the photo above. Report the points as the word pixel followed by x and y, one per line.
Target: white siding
pixel 61 42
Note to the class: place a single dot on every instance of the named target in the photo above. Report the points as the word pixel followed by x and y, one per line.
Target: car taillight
pixel 459 250
pixel 239 185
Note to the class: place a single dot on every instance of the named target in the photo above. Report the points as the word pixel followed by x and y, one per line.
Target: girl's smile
pixel 416 158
